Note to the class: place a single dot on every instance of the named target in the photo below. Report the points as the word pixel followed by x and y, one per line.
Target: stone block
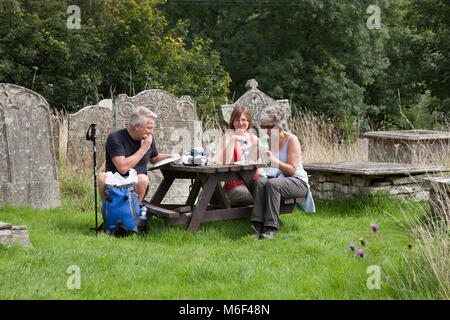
pixel 328 186
pixel 374 190
pixel 341 179
pixel 360 182
pixel 14 234
pixel 345 189
pixel 355 190
pixel 381 183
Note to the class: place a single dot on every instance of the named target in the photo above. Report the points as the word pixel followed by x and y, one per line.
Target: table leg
pixel 194 193
pixel 221 197
pixel 209 183
pixel 163 188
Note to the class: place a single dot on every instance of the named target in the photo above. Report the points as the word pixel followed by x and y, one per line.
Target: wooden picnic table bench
pixel 212 203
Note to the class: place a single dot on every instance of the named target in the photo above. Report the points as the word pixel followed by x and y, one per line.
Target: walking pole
pixel 91 135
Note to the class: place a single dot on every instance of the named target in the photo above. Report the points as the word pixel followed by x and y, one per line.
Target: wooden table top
pixel 212 168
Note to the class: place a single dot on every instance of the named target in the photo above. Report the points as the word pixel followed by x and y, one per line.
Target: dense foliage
pixel 121 47
pixel 323 56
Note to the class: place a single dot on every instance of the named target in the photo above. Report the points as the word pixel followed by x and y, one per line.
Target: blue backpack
pixel 121 212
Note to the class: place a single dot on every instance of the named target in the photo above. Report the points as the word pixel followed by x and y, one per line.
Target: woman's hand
pixel 274 161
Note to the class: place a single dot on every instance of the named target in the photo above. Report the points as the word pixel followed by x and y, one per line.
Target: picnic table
pixel 211 204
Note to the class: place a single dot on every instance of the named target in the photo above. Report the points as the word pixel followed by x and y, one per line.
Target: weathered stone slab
pixel 255 100
pixel 28 173
pixel 10 235
pixel 371 168
pixel 408 146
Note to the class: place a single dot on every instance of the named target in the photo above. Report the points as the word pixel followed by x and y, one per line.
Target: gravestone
pixel 409 146
pixel 339 180
pixel 28 175
pixel 255 100
pixel 177 130
pixel 79 150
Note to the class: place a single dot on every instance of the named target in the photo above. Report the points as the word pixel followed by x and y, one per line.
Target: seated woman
pixel 286 177
pixel 232 141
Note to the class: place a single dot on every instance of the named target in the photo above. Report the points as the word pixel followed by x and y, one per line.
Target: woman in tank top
pixel 285 178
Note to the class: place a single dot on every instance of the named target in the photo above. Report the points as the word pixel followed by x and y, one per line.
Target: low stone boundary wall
pixel 340 180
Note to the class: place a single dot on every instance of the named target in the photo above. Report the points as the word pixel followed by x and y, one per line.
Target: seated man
pixel 132 148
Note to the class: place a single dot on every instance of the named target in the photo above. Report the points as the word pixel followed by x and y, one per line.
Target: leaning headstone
pixel 28 175
pixel 79 150
pixel 255 100
pixel 177 130
pixel 10 235
pixel 409 146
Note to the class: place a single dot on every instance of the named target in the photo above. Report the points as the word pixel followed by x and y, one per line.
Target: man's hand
pixel 146 142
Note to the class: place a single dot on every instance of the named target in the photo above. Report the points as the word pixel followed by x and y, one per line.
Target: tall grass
pixel 321 139
pixel 428 269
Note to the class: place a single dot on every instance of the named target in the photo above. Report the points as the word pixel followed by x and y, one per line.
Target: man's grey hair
pixel 140 115
pixel 273 114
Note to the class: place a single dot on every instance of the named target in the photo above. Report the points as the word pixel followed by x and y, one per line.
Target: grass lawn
pixel 310 258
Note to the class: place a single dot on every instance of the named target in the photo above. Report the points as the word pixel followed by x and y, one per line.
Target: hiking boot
pixel 269 233
pixel 258 229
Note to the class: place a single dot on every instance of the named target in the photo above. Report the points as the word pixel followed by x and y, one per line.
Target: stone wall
pixel 341 186
pixel 340 180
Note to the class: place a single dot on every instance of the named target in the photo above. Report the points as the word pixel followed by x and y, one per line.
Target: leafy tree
pixel 322 55
pixel 122 47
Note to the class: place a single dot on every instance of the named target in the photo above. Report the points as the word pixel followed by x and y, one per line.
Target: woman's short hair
pixel 273 114
pixel 140 115
pixel 236 114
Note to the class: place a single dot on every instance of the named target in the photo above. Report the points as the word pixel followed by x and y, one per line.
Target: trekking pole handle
pixel 91 133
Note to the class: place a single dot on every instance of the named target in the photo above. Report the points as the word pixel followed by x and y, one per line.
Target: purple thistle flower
pixel 360 253
pixel 352 246
pixel 363 242
pixel 410 246
pixel 374 227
